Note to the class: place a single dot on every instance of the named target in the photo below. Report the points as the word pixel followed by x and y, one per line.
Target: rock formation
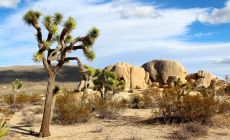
pixel 165 71
pixel 201 78
pixel 134 77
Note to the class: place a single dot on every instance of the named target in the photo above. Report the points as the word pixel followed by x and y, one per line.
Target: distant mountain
pixel 37 74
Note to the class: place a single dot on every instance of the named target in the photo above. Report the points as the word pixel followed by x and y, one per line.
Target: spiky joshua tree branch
pixel 47 53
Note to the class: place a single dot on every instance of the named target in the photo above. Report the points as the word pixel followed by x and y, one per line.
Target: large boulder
pixel 162 70
pixel 134 77
pixel 201 78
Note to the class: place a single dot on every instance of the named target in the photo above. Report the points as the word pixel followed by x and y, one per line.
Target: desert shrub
pixel 149 97
pixel 22 98
pixel 69 110
pixel 107 109
pixel 3 129
pixel 136 101
pixel 178 102
pixel 189 130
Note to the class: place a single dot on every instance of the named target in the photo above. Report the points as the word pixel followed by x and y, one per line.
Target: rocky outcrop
pixel 165 71
pixel 201 78
pixel 134 77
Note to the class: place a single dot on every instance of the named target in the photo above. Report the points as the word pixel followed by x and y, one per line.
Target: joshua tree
pixel 47 53
pixel 107 81
pixel 16 86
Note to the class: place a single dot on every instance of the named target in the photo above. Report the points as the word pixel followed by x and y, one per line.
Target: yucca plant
pixel 106 81
pixel 3 129
pixel 16 86
pixel 48 52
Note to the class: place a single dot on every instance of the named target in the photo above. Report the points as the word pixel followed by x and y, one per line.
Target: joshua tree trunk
pixel 45 131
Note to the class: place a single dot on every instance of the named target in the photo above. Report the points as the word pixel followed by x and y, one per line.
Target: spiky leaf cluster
pixel 3 129
pixel 91 37
pixel 89 54
pixel 68 38
pixel 31 17
pixel 57 18
pixel 37 57
pixel 51 22
pixel 91 70
pixel 94 33
pixel 70 24
pixel 47 44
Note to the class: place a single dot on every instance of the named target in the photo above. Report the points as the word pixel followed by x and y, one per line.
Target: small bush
pixel 177 102
pixel 22 98
pixel 189 130
pixel 136 101
pixel 69 110
pixel 107 109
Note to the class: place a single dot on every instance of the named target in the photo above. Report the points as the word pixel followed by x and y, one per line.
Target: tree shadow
pixel 21 130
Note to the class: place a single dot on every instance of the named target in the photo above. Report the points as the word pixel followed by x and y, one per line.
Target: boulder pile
pixel 159 72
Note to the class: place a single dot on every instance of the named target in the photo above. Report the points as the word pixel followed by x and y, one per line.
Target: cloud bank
pixel 216 16
pixel 9 3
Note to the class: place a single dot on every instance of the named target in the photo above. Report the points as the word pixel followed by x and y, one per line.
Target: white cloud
pixel 9 3
pixel 139 12
pixel 202 34
pixel 225 60
pixel 216 16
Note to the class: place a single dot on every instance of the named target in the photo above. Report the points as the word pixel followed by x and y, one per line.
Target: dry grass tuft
pixel 188 131
pixel 23 98
pixel 107 109
pixel 221 120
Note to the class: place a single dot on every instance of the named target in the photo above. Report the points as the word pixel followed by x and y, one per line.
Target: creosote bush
pixel 178 103
pixel 69 110
pixel 107 109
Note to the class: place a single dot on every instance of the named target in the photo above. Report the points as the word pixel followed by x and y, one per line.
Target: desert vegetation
pixel 157 100
pixel 66 43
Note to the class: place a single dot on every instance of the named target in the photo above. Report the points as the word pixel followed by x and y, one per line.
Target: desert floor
pixel 130 126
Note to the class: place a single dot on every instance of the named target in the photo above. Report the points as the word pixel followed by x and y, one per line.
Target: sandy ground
pixel 128 127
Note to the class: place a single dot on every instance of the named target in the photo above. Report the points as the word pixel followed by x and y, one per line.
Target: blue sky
pixel 193 32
